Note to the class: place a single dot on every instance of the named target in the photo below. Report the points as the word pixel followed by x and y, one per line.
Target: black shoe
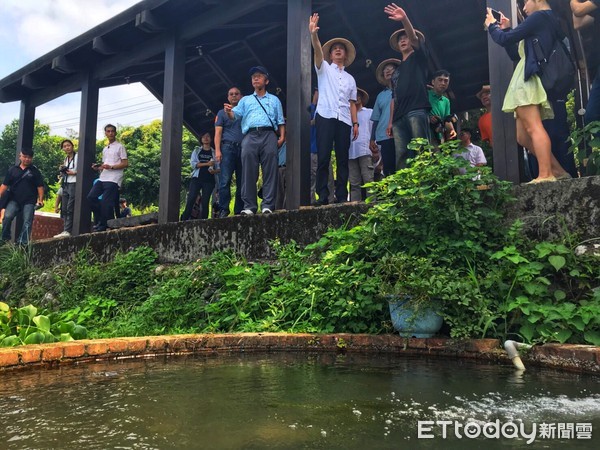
pixel 223 214
pixel 321 203
pixel 98 228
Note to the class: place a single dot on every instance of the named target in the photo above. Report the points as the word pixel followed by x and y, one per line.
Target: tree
pixel 142 179
pixel 48 154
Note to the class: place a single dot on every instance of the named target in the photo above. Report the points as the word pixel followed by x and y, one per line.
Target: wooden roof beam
pixel 148 22
pixel 63 64
pixel 100 45
pixel 32 82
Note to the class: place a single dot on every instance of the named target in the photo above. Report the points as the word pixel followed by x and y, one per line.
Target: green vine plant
pixel 436 232
pixel 585 145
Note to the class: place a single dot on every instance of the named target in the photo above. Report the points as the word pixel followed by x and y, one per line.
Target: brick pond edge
pixel 569 357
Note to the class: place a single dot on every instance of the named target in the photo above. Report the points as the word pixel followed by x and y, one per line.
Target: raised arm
pixel 582 8
pixel 398 14
pixel 313 28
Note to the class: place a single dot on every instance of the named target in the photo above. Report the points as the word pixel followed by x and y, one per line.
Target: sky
pixel 31 28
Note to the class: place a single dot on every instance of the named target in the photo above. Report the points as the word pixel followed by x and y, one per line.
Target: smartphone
pixel 497 15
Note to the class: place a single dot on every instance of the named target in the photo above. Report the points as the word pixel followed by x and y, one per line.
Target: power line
pixel 102 114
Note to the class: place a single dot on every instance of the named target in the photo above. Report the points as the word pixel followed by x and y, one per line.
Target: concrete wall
pixel 189 241
pixel 545 208
pixel 548 209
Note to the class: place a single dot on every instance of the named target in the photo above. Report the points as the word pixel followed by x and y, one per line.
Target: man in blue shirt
pixel 263 126
pixel 228 151
pixel 381 115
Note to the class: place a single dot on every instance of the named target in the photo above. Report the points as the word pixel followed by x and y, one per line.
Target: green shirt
pixel 440 105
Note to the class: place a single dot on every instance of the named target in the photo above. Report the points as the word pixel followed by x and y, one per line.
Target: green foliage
pixel 15 270
pixel 585 144
pixel 433 211
pixel 48 154
pixel 20 326
pixel 436 232
pixel 549 293
pixel 142 178
pixel 125 280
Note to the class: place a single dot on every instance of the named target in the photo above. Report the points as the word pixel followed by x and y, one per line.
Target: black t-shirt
pixel 204 175
pixel 24 192
pixel 125 212
pixel 410 84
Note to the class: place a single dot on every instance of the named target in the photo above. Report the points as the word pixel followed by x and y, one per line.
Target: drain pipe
pixel 511 348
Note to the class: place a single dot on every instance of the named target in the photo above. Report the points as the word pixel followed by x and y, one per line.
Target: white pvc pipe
pixel 511 348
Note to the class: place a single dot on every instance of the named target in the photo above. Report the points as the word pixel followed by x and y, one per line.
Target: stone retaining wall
pixel 546 209
pixel 577 358
pixel 249 236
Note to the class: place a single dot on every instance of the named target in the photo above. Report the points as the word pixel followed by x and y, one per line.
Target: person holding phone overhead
pixel 525 96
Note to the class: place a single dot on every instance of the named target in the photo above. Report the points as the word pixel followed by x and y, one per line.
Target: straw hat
pixel 381 66
pixel 396 34
pixel 485 88
pixel 364 94
pixel 350 50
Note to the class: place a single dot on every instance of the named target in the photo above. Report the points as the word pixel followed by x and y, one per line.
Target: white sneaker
pixel 267 211
pixel 63 234
pixel 246 212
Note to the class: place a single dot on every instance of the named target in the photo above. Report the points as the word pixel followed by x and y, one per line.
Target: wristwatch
pixel 355 123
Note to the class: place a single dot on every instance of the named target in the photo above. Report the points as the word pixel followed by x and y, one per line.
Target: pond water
pixel 289 401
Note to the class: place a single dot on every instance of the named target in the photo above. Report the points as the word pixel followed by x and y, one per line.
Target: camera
pixel 437 124
pixel 63 169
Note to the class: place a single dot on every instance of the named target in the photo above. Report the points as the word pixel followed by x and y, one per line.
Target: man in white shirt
pixel 472 153
pixel 114 161
pixel 360 162
pixel 335 118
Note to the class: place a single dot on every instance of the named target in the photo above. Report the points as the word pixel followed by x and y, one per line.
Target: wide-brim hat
pixel 365 95
pixel 396 34
pixel 350 50
pixel 485 88
pixel 381 66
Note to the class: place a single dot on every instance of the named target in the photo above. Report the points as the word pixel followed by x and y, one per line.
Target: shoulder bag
pixel 557 71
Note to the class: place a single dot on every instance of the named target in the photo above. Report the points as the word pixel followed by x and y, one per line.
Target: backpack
pixel 557 71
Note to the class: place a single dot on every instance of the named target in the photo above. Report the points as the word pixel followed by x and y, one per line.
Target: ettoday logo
pixel 429 429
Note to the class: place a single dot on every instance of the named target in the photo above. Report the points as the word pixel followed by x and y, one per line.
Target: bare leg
pixel 531 134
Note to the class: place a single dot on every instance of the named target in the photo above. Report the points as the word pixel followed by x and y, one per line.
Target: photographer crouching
pixel 68 174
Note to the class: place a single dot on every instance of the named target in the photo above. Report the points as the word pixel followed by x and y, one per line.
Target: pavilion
pixel 187 53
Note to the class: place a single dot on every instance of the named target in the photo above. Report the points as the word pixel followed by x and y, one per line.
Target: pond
pixel 289 401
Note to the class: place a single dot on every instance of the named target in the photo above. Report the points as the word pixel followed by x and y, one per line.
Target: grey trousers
pixel 361 172
pixel 68 205
pixel 259 148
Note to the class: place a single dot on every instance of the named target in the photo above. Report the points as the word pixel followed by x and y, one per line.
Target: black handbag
pixel 557 71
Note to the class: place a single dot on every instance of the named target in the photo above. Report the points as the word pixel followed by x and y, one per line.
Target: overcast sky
pixel 31 28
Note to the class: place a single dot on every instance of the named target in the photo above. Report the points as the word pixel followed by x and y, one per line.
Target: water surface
pixel 289 401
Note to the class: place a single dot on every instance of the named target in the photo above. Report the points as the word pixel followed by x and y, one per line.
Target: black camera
pixel 437 124
pixel 63 169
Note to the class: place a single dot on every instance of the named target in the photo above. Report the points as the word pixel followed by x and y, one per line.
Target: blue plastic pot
pixel 423 323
